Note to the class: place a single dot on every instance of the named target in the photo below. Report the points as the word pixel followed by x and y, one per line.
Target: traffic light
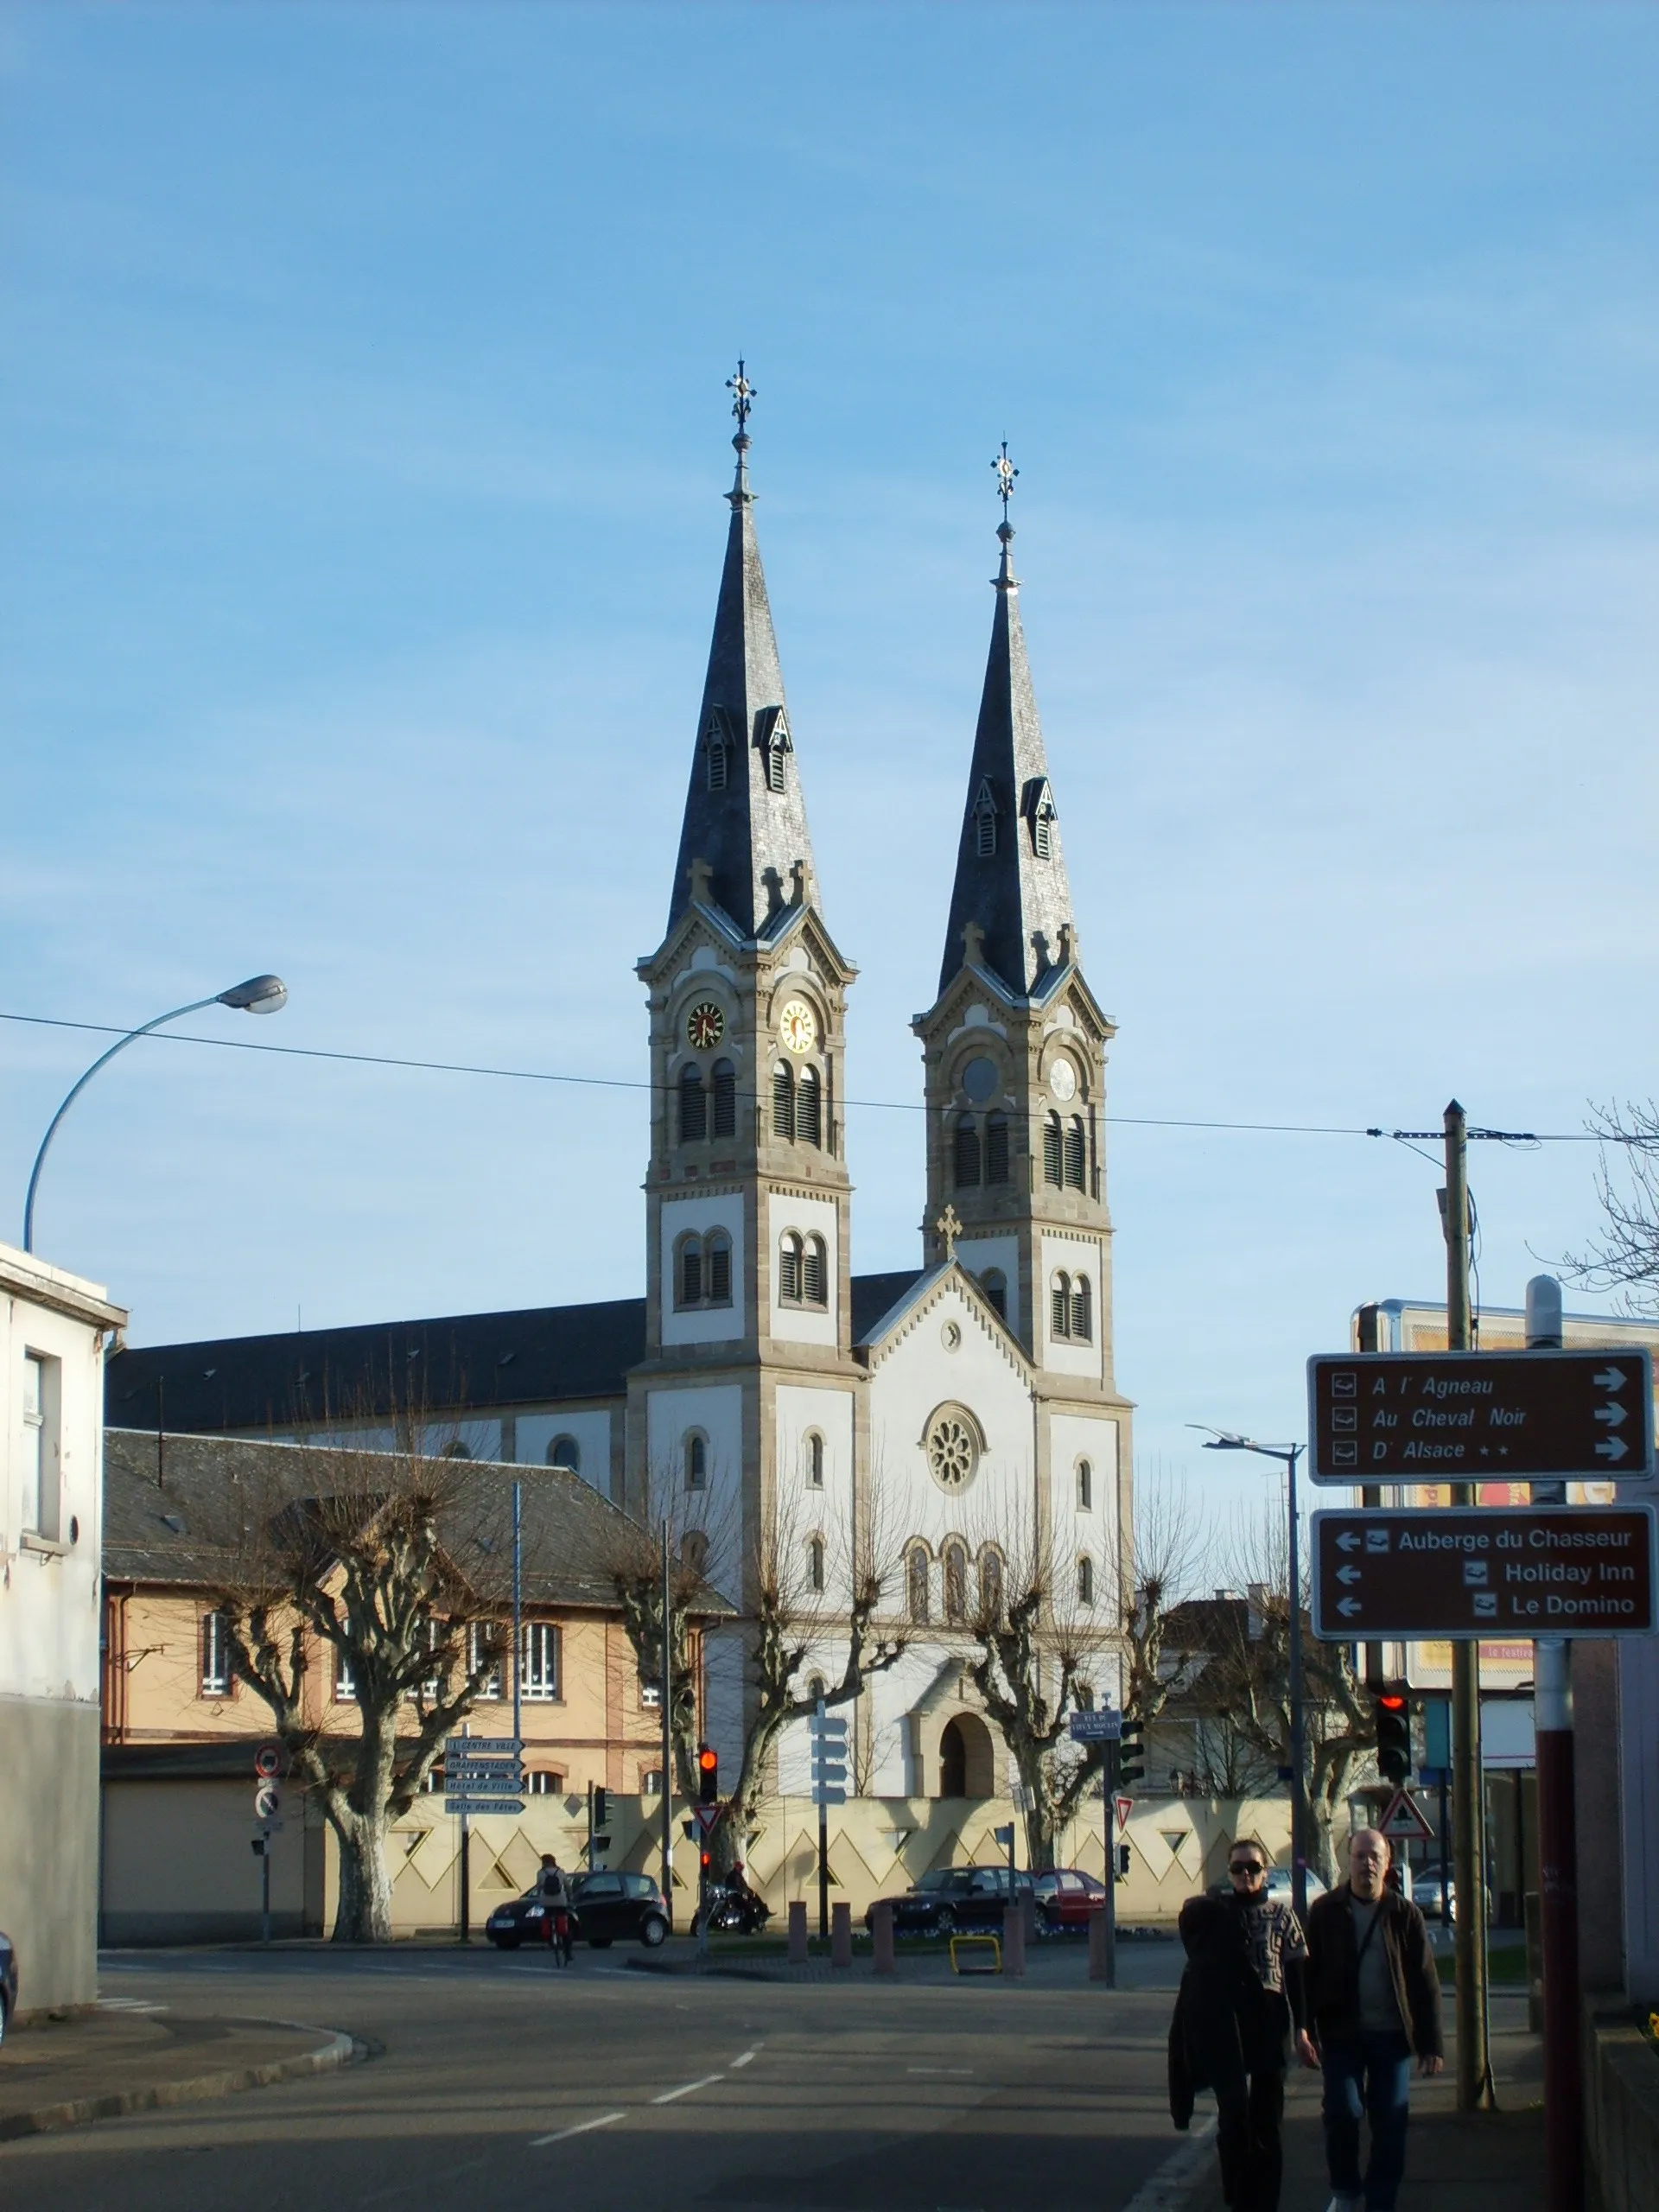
pixel 707 1774
pixel 1131 1751
pixel 1122 1862
pixel 601 1802
pixel 1393 1715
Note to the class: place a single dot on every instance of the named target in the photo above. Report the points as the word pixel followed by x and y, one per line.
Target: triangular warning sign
pixel 1405 1820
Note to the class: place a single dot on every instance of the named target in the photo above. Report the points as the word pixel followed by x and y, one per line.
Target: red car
pixel 1066 1899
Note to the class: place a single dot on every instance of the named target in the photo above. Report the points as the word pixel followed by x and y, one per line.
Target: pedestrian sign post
pixel 1405 1820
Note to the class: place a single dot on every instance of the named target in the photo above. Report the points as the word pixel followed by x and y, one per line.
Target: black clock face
pixel 704 1026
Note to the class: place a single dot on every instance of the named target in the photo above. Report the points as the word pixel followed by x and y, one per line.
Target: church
pixel 956 1423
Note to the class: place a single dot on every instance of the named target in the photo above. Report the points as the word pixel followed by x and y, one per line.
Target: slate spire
pixel 745 814
pixel 1011 889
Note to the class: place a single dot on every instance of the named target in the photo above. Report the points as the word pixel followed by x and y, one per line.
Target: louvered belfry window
pixel 789 1270
pixel 1083 1319
pixel 1076 1153
pixel 1059 1315
pixel 996 1147
pixel 809 1108
pixel 694 1100
pixel 717 1259
pixel 815 1287
pixel 1054 1170
pixel 783 1103
pixel 965 1153
pixel 691 1272
pixel 725 1099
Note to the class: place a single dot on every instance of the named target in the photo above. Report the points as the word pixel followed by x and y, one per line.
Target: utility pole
pixel 1108 1790
pixel 1558 1849
pixel 667 1672
pixel 1468 1780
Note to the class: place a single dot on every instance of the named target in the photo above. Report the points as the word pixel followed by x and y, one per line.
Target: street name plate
pixel 1102 1727
pixel 1464 1416
pixel 483 1804
pixel 1484 1571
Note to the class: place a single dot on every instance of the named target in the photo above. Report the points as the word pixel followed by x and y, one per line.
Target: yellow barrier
pixel 996 1954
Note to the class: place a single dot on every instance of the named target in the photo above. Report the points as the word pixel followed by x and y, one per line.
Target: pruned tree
pixel 1165 1555
pixel 696 1534
pixel 1625 1254
pixel 396 1566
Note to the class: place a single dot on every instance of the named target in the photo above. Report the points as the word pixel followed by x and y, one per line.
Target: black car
pixel 603 1907
pixel 953 1899
pixel 7 1982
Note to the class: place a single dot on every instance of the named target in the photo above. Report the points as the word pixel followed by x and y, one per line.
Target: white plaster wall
pixel 703 1324
pixel 812 1216
pixel 1075 1255
pixel 717 1409
pixel 1072 1437
pixel 592 1431
pixel 978 1253
pixel 804 1511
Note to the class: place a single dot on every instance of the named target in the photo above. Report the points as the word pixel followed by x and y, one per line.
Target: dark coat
pixel 1333 1970
pixel 1225 2025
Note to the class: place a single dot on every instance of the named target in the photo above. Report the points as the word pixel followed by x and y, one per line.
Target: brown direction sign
pixel 1488 1416
pixel 1478 1572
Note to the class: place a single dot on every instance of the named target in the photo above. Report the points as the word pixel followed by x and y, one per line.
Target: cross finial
pixel 742 393
pixel 1006 473
pixel 950 1227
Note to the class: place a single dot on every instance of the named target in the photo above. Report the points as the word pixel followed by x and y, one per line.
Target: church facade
pixel 955 1425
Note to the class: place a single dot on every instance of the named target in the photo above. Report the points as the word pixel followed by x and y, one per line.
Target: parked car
pixel 1426 1893
pixel 1067 1899
pixel 953 1898
pixel 7 1982
pixel 1279 1884
pixel 603 1906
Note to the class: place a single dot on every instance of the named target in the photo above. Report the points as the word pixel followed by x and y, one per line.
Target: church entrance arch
pixel 967 1765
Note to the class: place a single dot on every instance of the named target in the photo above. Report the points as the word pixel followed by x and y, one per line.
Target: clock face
pixel 704 1026
pixel 1063 1080
pixel 798 1026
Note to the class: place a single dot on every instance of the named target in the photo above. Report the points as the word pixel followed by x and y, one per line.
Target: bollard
pixel 797 1932
pixel 1014 1942
pixel 881 1937
pixel 1028 1914
pixel 841 1934
pixel 1100 1947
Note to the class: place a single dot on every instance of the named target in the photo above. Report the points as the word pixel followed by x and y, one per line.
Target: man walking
pixel 1375 1998
pixel 1241 1993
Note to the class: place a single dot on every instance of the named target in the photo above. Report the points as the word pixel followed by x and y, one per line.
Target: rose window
pixel 952 1449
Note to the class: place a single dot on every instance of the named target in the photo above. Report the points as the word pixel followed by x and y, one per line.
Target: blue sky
pixel 363 439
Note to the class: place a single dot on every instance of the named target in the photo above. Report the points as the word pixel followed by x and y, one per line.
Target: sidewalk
pixel 1455 2162
pixel 126 2057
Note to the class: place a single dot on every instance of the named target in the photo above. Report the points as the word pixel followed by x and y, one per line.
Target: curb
pixel 116 2104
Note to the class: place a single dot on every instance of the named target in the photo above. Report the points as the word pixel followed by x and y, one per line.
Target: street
pixel 497 2080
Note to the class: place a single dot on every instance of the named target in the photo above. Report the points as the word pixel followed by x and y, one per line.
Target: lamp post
pixel 259 994
pixel 1224 1440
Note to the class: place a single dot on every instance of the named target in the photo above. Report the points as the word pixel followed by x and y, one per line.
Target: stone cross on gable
pixel 702 876
pixel 950 1227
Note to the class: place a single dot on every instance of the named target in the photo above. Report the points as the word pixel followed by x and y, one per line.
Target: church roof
pixel 1011 879
pixel 751 833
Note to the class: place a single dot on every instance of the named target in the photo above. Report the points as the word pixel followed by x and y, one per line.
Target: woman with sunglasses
pixel 1241 1996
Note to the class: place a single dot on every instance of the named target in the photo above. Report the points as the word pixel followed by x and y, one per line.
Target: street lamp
pixel 1225 1439
pixel 259 994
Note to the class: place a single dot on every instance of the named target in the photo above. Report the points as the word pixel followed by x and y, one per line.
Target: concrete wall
pixel 1621 2116
pixel 49 1848
pixel 178 1866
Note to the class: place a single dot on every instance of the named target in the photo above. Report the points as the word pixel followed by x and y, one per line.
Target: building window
pixel 956 1583
pixel 43 1483
pixel 1060 1305
pixel 990 1583
pixel 716 762
pixel 984 821
pixel 916 1579
pixel 693 1550
pixel 1085 1580
pixel 540 1662
pixel 694 1102
pixel 815 1276
pixel 565 1452
pixel 775 768
pixel 215 1656
pixel 1085 1486
pixel 717 1267
pixel 691 1283
pixel 651 1782
pixel 696 1461
pixel 815 1460
pixel 814 1565
pixel 1042 842
pixel 543 1782
pixel 345 1680
pixel 994 1284
pixel 1083 1315
pixel 809 1108
pixel 1076 1153
pixel 953 1448
pixel 964 1151
pixel 725 1099
pixel 1053 1168
pixel 996 1147
pixel 456 1449
pixel 485 1645
pixel 783 1103
pixel 792 1254
pixel 1040 809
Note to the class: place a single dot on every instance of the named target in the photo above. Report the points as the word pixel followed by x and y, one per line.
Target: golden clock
pixel 704 1026
pixel 798 1026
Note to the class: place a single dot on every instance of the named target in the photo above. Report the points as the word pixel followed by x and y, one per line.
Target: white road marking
pixel 582 2127
pixel 745 2059
pixel 685 2088
pixel 1173 2183
pixel 956 2071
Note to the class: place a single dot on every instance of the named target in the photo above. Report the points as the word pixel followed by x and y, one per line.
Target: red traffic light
pixel 1392 1702
pixel 707 1774
pixel 705 1858
pixel 707 1762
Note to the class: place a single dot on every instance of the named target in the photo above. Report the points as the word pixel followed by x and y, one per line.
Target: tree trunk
pixel 363 1914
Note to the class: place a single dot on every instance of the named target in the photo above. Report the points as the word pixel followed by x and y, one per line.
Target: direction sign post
pixel 828 1787
pixel 1471 1417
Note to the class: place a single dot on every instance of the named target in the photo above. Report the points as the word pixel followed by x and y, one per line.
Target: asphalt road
pixel 499 2082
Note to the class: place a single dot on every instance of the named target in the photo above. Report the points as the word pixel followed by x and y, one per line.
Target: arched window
pixel 916 1580
pixel 814 1564
pixel 689 1291
pixel 694 1102
pixel 1082 1310
pixel 994 1284
pixel 809 1108
pixel 1053 1169
pixel 990 1583
pixel 725 1099
pixel 815 1460
pixel 717 1268
pixel 996 1147
pixel 783 1103
pixel 693 1550
pixel 1085 1486
pixel 955 1582
pixel 456 1451
pixel 1085 1580
pixel 1059 1306
pixel 696 1461
pixel 815 1280
pixel 791 1253
pixel 1076 1153
pixel 965 1153
pixel 565 1452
